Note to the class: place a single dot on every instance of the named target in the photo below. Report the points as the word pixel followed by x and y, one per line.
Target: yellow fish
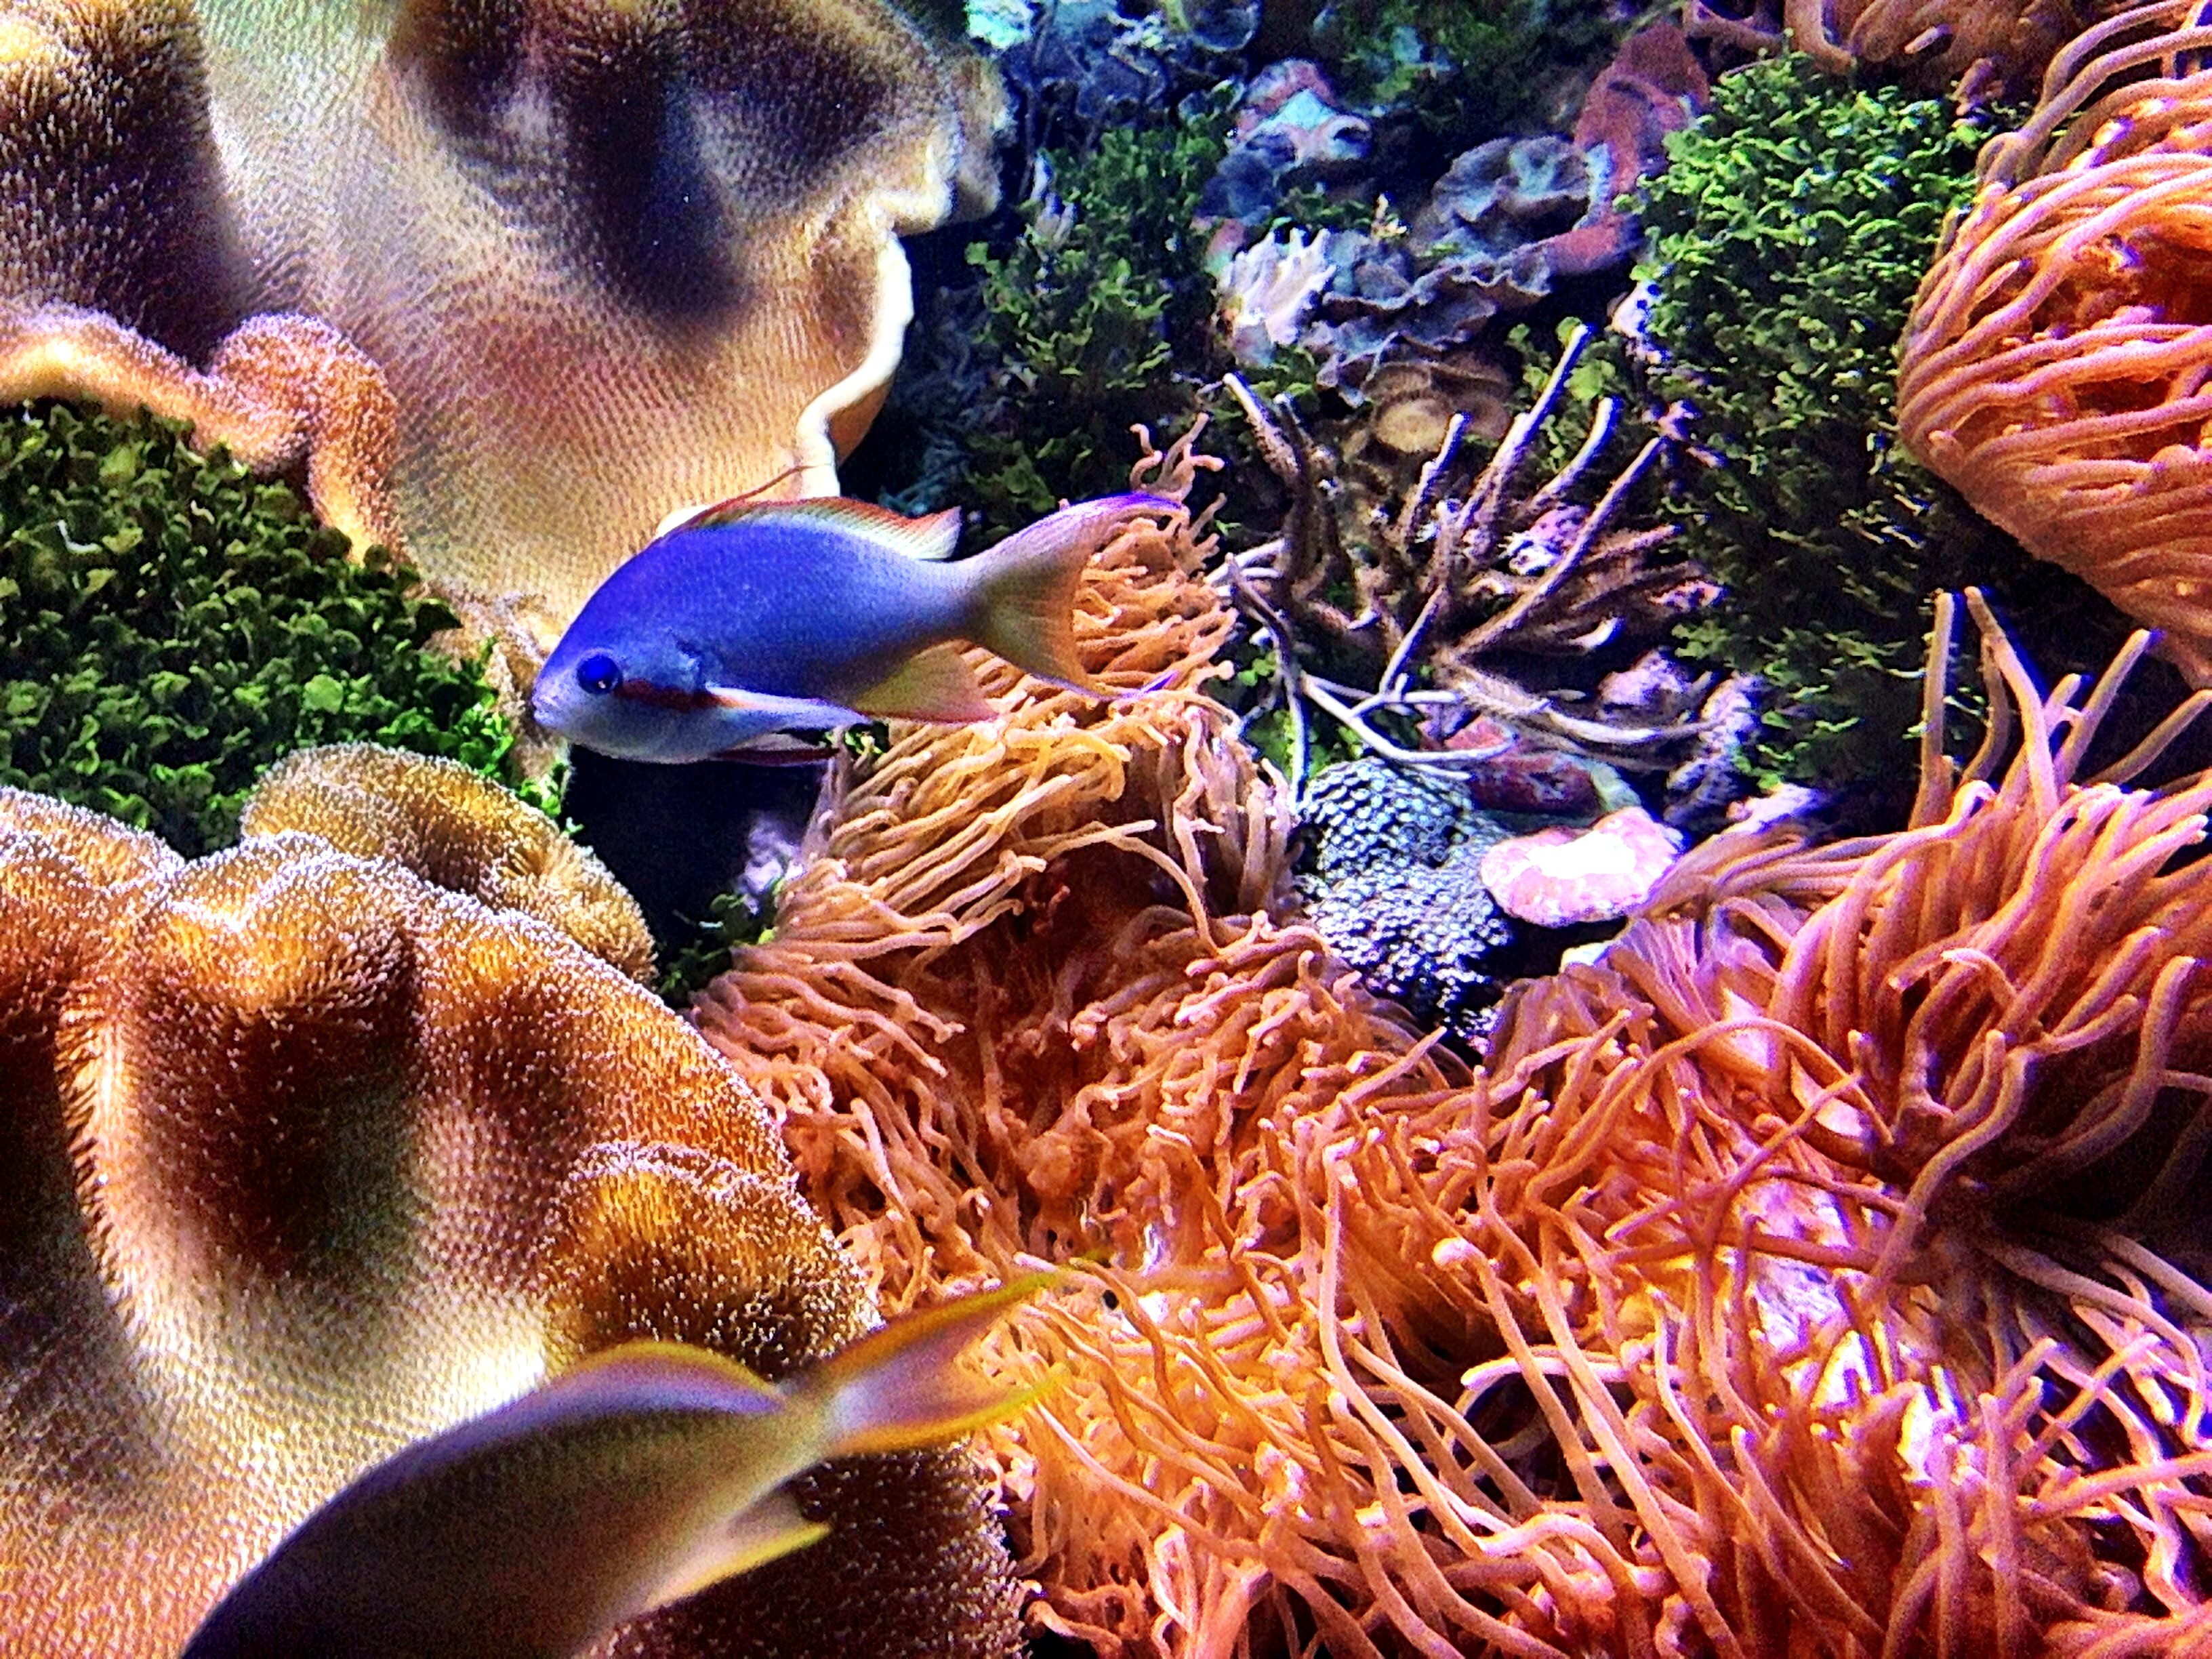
pixel 641 1477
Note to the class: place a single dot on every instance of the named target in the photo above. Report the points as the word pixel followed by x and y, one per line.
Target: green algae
pixel 170 624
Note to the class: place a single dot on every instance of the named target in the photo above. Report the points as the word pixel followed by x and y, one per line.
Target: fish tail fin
pixel 1026 586
pixel 903 1386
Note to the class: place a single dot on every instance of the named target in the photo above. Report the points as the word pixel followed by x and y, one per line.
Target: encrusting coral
pixel 2055 367
pixel 514 256
pixel 303 1156
pixel 1820 1271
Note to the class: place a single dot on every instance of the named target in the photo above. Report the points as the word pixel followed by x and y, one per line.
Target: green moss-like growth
pixel 1787 237
pixel 170 624
pixel 1463 67
pixel 1081 310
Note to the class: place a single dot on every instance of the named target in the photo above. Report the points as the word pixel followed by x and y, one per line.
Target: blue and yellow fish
pixel 756 617
pixel 643 1476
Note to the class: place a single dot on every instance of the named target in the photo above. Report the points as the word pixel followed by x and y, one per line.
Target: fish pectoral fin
pixel 808 713
pixel 932 684
pixel 771 1528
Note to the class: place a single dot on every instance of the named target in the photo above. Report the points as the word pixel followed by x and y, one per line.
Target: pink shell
pixel 1558 877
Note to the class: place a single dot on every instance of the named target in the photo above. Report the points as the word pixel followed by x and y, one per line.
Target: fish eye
pixel 599 673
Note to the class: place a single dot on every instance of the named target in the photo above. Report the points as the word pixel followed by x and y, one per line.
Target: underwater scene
pixel 1105 829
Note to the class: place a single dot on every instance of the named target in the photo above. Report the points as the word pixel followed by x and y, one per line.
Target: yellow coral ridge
pixel 455 829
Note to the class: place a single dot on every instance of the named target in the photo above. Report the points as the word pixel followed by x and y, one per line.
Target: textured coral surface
pixel 608 259
pixel 302 1156
pixel 454 829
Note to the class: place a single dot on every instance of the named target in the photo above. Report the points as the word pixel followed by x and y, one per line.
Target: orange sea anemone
pixel 2057 367
pixel 1817 1274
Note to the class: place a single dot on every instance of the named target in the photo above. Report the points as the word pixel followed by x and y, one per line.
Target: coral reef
pixel 169 626
pixel 302 1156
pixel 1472 565
pixel 1080 68
pixel 2055 367
pixel 1562 878
pixel 1507 222
pixel 1787 234
pixel 455 831
pixel 556 289
pixel 1080 312
pixel 1988 49
pixel 1446 62
pixel 1821 1271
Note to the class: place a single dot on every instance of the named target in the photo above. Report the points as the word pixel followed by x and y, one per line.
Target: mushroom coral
pixel 1819 1272
pixel 514 254
pixel 2056 366
pixel 302 1157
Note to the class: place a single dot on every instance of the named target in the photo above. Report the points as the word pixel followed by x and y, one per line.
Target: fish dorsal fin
pixel 930 538
pixel 771 1528
pixel 932 684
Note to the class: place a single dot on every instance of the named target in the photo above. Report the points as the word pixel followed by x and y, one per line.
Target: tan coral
pixel 1789 1282
pixel 585 318
pixel 302 1156
pixel 2055 369
pixel 455 829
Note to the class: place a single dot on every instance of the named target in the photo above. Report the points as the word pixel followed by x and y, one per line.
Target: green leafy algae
pixel 1458 65
pixel 1787 238
pixel 170 624
pixel 1083 311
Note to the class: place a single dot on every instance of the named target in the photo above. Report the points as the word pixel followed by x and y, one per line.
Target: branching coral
pixel 1819 1273
pixel 302 1156
pixel 2056 366
pixel 1461 575
pixel 559 234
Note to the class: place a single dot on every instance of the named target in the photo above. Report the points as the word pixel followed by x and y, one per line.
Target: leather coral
pixel 2057 367
pixel 513 281
pixel 303 1156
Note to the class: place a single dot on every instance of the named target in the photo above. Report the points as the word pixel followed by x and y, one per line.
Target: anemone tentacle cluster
pixel 1819 1271
pixel 2054 369
pixel 303 1156
pixel 514 281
